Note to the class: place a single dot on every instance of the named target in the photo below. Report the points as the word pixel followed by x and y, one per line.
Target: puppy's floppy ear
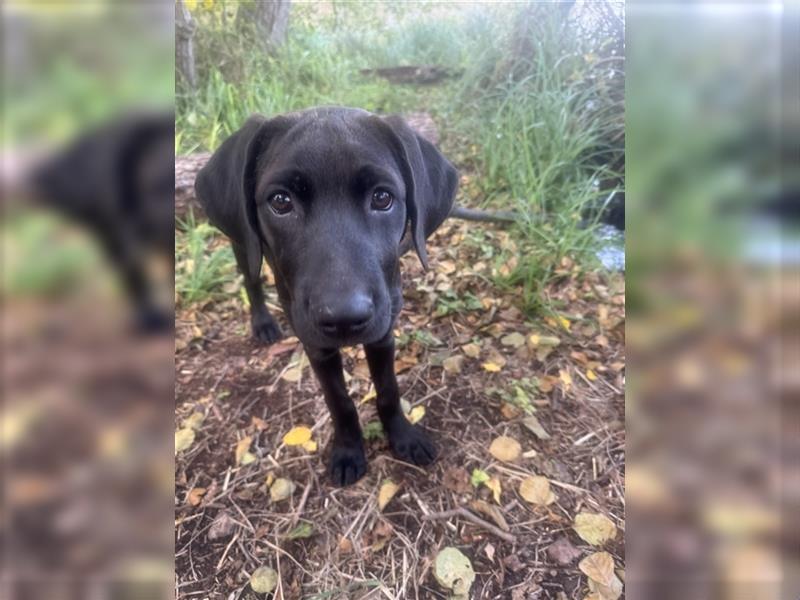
pixel 430 180
pixel 225 186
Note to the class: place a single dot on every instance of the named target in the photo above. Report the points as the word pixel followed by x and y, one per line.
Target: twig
pixel 463 512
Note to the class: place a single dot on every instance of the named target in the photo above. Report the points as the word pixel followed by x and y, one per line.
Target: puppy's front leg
pixel 408 443
pixel 348 462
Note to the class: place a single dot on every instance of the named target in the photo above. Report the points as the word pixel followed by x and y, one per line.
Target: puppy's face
pixel 330 203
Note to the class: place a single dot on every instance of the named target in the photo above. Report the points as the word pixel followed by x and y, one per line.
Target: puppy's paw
pixel 150 321
pixel 348 463
pixel 266 330
pixel 410 444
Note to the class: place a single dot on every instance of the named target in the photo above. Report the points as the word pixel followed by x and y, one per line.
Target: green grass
pixel 202 268
pixel 533 118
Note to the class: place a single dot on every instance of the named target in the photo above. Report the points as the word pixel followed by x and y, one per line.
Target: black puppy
pixel 330 196
pixel 118 181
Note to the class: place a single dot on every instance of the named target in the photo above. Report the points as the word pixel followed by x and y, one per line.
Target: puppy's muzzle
pixel 343 315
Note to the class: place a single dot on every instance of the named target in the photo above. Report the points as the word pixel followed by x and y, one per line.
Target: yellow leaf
pixel 386 493
pixel 416 414
pixel 599 567
pixel 491 367
pixel 590 375
pixel 494 485
pixel 371 395
pixel 184 438
pixel 297 436
pixel 190 4
pixel 565 378
pixel 593 528
pixel 242 450
pixel 536 490
pixel 564 323
pixel 505 448
pixel 310 446
pixel 270 479
pixel 194 421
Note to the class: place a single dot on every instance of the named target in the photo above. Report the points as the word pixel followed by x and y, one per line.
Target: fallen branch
pixel 464 513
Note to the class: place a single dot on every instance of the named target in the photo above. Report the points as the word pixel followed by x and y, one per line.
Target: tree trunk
pixel 271 18
pixel 184 48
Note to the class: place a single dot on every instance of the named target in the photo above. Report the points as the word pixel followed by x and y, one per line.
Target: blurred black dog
pixel 118 181
pixel 331 197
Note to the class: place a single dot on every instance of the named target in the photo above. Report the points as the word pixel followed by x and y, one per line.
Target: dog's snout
pixel 345 314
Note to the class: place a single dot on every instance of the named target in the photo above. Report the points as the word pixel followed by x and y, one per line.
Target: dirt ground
pixel 328 542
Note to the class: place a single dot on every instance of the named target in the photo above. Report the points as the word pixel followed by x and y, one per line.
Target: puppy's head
pixel 330 194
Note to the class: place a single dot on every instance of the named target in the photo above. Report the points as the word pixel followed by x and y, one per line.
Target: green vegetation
pixel 201 267
pixel 532 112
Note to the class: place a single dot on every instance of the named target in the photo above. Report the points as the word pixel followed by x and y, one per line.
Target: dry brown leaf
pixel 491 511
pixel 505 448
pixel 509 411
pixel 345 546
pixel 471 350
pixel 456 479
pixel 598 567
pixel 594 528
pixel 453 364
pixel 536 490
pixel 388 490
pixel 195 496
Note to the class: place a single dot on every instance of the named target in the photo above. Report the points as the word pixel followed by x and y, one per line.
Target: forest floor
pixel 472 368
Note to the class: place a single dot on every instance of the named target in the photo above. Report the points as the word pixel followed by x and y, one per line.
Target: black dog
pixel 118 181
pixel 331 196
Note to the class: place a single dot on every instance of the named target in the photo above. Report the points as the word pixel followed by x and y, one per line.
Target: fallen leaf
pixel 494 485
pixel 263 580
pixel 505 448
pixel 369 396
pixel 453 364
pixel 515 340
pixel 599 567
pixel 388 490
pixel 453 571
pixel 243 454
pixel 310 446
pixel 281 489
pixel 416 414
pixel 258 423
pixel 590 375
pixel 195 496
pixel 194 421
pixel 565 378
pixel 563 552
pixel 222 527
pixel 593 528
pixel 489 551
pixel 293 374
pixel 536 340
pixel 184 438
pixel 536 490
pixel 491 511
pixel 533 425
pixel 491 367
pixel 345 546
pixel 471 350
pixel 509 411
pixel 302 531
pixel 612 591
pixel 456 479
pixel 297 436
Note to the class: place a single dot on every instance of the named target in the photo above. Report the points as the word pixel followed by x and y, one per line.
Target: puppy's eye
pixel 382 200
pixel 280 203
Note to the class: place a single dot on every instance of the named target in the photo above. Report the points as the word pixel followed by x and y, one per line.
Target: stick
pixel 463 512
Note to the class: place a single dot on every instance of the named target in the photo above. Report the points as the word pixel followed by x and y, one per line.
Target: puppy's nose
pixel 344 315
